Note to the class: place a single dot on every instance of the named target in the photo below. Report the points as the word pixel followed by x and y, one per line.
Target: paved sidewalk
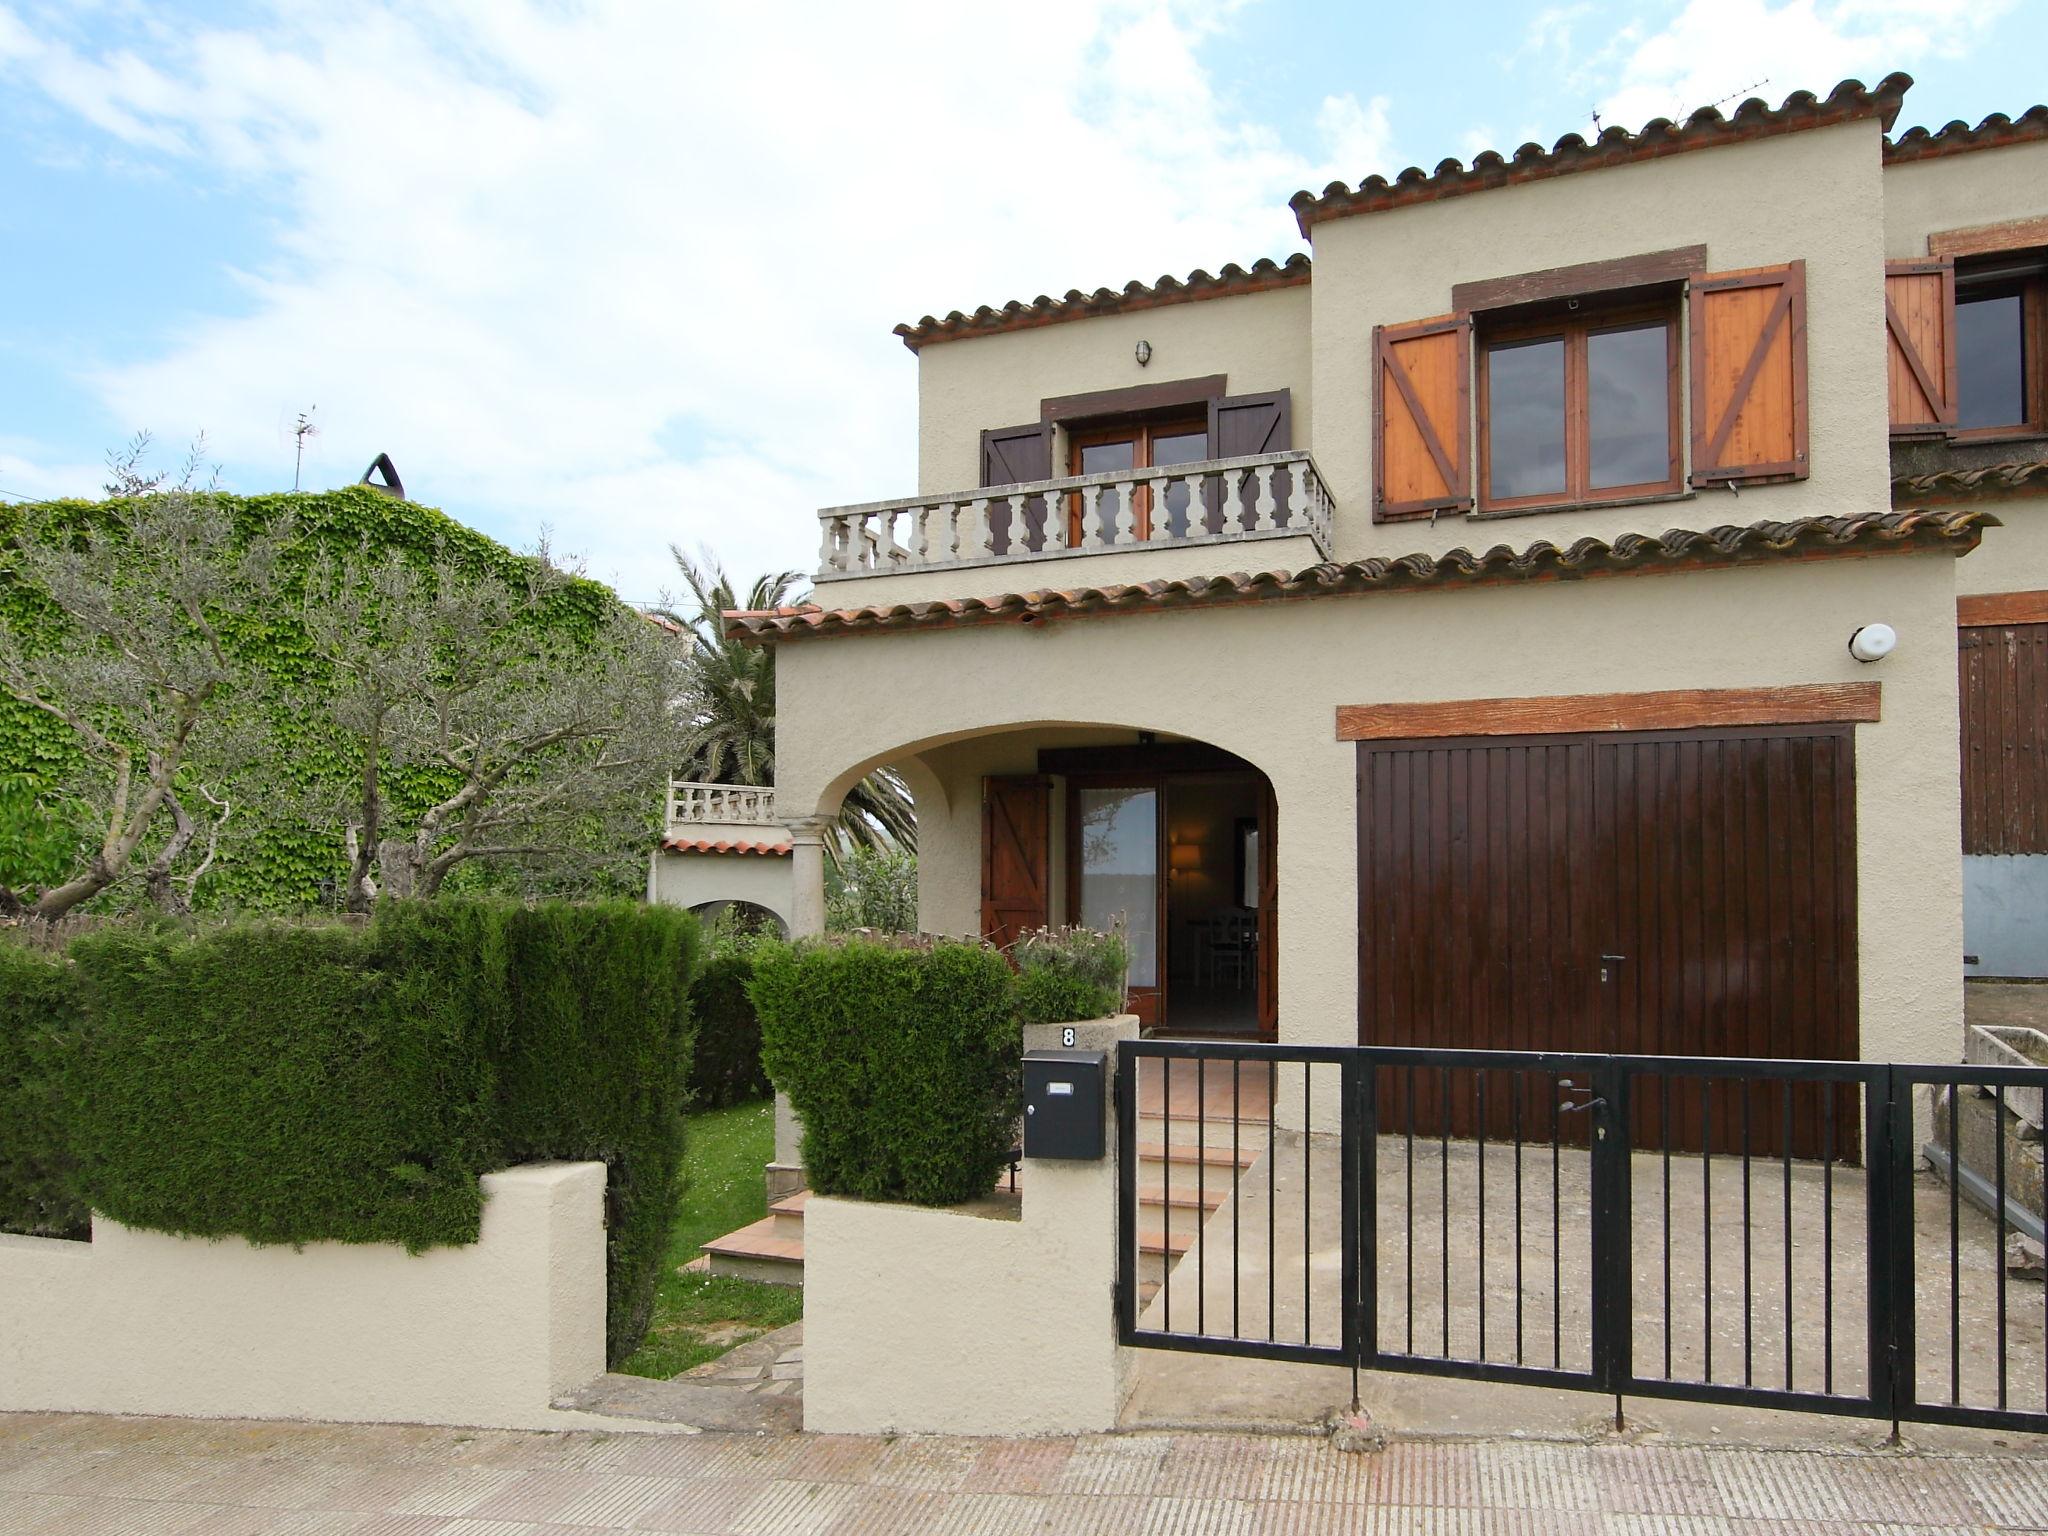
pixel 86 1476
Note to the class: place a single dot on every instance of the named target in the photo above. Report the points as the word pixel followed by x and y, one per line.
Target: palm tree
pixel 730 702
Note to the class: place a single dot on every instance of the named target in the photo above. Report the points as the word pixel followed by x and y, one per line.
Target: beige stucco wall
pixel 1813 196
pixel 691 879
pixel 1259 341
pixel 955 1321
pixel 488 1334
pixel 2015 556
pixel 1264 681
pixel 1984 186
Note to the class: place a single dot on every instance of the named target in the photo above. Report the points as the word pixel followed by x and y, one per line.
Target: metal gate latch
pixel 1567 1107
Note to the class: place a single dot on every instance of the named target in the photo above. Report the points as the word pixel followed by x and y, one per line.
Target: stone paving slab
pixel 90 1476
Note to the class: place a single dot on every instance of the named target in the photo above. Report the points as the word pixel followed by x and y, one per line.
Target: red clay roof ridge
pixel 1706 128
pixel 1995 132
pixel 1231 279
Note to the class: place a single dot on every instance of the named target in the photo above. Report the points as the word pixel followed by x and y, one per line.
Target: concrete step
pixel 1191 1131
pixel 1152 1150
pixel 788 1216
pixel 759 1252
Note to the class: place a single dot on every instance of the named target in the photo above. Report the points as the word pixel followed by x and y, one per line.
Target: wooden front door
pixel 1016 856
pixel 1663 893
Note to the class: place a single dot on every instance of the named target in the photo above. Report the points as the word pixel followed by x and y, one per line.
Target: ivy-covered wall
pixel 281 866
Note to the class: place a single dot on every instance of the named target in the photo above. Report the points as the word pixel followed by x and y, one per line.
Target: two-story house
pixel 1530 622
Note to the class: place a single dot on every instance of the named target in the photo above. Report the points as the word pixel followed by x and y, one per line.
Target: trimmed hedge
pixel 901 1060
pixel 726 1066
pixel 39 1021
pixel 299 1081
pixel 1069 973
pixel 597 1065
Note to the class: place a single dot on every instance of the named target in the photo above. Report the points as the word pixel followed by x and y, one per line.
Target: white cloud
pixel 629 268
pixel 1714 48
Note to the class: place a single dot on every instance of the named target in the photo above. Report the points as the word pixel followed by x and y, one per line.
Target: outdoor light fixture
pixel 1185 857
pixel 1873 642
pixel 1144 353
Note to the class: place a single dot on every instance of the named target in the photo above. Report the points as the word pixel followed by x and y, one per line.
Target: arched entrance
pixel 1170 842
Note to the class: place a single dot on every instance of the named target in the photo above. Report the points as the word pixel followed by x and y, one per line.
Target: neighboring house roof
pixel 1705 129
pixel 1808 538
pixel 1263 275
pixel 2014 475
pixel 1995 132
pixel 708 845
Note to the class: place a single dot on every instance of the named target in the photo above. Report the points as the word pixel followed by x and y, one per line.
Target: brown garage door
pixel 1498 875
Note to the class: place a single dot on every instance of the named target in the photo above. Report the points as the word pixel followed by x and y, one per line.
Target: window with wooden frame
pixel 1579 406
pixel 1136 443
pixel 2001 345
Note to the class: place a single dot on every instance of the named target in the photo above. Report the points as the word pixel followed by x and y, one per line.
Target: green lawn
pixel 700 1317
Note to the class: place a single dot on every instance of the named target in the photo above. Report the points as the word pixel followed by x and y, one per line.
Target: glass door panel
pixel 1118 871
pixel 1190 447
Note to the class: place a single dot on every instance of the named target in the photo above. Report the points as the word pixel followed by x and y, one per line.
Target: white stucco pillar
pixel 806 920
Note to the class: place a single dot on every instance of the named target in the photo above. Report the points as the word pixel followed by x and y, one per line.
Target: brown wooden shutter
pixel 1016 856
pixel 1749 375
pixel 1243 425
pixel 1013 456
pixel 1920 353
pixel 1422 413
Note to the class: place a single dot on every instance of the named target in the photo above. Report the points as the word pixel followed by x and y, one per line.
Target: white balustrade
pixel 1264 495
pixel 692 803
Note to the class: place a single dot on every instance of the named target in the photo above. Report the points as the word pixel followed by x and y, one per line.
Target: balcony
pixel 695 809
pixel 1219 501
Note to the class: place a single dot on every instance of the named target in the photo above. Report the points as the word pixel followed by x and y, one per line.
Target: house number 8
pixel 1067 1037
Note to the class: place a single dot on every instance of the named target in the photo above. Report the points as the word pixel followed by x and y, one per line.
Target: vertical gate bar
pixel 1748 1267
pixel 1664 1124
pixel 1408 1211
pixel 1166 1192
pixel 1272 1204
pixel 1308 1100
pixel 1443 1229
pixel 1236 1141
pixel 1827 1239
pixel 1358 1123
pixel 1521 1080
pixel 1998 1252
pixel 1785 1170
pixel 1201 1194
pixel 1955 1254
pixel 1888 1195
pixel 1707 1226
pixel 1126 1191
pixel 1556 1235
pixel 1479 1109
pixel 1613 1315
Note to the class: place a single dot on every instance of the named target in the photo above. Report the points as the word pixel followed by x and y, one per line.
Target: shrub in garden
pixel 1065 974
pixel 597 1065
pixel 901 1059
pixel 38 1024
pixel 726 1068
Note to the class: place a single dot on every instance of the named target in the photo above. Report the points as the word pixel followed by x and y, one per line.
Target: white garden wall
pixel 488 1334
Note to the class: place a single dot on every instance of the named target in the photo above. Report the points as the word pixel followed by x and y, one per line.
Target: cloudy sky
pixel 626 269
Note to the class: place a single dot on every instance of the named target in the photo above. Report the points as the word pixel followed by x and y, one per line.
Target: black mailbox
pixel 1063 1103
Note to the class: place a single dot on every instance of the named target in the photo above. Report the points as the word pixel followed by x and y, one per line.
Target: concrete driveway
pixel 86 1476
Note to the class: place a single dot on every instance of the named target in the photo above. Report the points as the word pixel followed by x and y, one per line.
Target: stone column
pixel 785 1176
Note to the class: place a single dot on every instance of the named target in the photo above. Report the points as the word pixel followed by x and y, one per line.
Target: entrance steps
pixel 771 1249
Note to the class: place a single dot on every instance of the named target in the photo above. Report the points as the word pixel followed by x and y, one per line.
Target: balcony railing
pixel 728 805
pixel 1267 495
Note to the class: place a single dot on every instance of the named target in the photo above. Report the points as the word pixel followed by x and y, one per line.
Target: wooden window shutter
pixel 1920 351
pixel 1749 375
pixel 1243 425
pixel 1422 414
pixel 1013 456
pixel 1016 856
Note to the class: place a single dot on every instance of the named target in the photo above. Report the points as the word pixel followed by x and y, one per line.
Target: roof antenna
pixel 302 430
pixel 1596 122
pixel 1738 94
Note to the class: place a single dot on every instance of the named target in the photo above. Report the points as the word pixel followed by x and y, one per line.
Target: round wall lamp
pixel 1873 642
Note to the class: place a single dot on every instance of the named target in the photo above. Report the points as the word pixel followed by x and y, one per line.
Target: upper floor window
pixel 1579 408
pixel 1119 447
pixel 2000 322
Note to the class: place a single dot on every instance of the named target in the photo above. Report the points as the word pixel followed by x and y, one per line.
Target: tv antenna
pixel 1739 93
pixel 301 430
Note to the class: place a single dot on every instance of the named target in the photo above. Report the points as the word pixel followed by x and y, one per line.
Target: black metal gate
pixel 1748 1232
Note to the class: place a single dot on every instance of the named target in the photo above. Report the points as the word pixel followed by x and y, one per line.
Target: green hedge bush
pixel 1069 973
pixel 901 1059
pixel 726 1066
pixel 294 1081
pixel 39 1020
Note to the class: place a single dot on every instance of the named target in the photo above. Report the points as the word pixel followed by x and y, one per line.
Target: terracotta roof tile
pixel 1543 560
pixel 1954 138
pixel 1705 129
pixel 2014 475
pixel 707 845
pixel 1264 274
